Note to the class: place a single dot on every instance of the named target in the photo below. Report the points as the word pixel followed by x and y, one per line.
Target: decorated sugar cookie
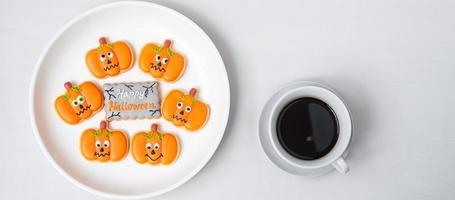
pixel 103 144
pixel 79 102
pixel 109 59
pixel 185 109
pixel 138 100
pixel 161 61
pixel 154 147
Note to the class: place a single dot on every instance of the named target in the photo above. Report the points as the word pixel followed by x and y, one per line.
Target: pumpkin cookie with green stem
pixel 154 147
pixel 185 109
pixel 79 102
pixel 162 61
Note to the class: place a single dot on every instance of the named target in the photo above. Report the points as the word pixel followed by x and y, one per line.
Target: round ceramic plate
pixel 63 60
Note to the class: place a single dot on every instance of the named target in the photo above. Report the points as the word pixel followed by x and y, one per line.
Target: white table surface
pixel 392 61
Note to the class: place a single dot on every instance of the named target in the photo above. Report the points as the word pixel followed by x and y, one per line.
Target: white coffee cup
pixel 334 159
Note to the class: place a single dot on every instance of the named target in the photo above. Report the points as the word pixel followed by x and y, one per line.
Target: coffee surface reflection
pixel 307 128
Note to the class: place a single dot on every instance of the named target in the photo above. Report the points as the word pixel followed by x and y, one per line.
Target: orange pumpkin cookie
pixel 79 102
pixel 103 144
pixel 109 59
pixel 185 110
pixel 154 147
pixel 161 62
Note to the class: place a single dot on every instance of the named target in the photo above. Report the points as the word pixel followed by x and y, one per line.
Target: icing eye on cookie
pixel 75 103
pixel 106 144
pixel 188 109
pixel 161 61
pixel 80 99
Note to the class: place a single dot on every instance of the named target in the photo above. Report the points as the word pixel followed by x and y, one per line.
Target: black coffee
pixel 307 128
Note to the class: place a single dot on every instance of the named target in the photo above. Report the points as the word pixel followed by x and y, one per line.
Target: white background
pixel 392 61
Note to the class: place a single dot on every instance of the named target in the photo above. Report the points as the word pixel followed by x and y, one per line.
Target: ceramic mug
pixel 334 159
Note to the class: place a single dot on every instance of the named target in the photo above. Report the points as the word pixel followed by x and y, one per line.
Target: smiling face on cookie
pixel 154 147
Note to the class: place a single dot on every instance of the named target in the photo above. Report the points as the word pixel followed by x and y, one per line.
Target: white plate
pixel 63 60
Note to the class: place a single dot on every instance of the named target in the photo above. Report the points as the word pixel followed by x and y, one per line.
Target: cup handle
pixel 341 166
